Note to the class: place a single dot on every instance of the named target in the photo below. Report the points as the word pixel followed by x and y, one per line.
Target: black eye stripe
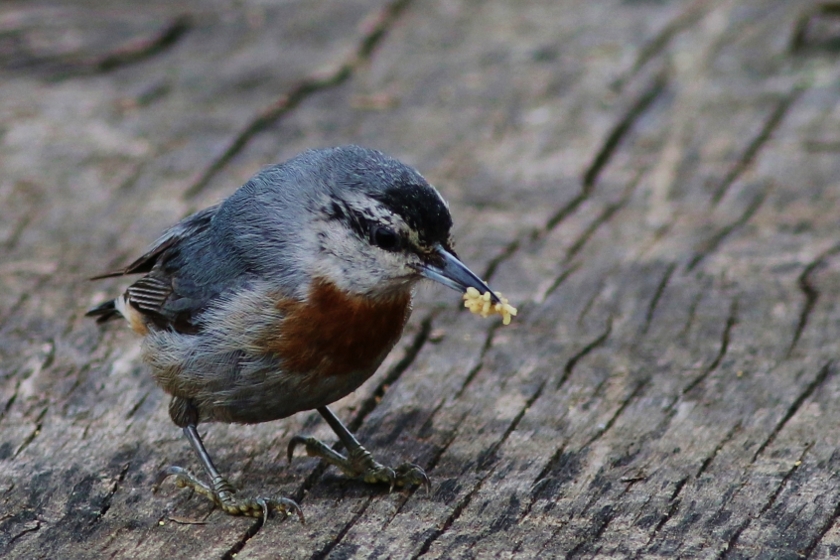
pixel 367 227
pixel 356 221
pixel 386 238
pixel 335 211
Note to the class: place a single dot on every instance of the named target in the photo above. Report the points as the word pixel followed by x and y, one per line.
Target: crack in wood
pixel 559 454
pixel 46 360
pixel 610 145
pixel 604 519
pixel 435 534
pixel 660 289
pixel 652 48
pixel 484 463
pixel 17 230
pixel 565 211
pixel 380 23
pixel 562 277
pixel 33 434
pixel 433 461
pixel 583 352
pixel 611 422
pixel 33 529
pixel 708 460
pixel 456 512
pixel 488 343
pixel 488 456
pixel 674 504
pixel 829 523
pixel 713 243
pixel 785 479
pixel 106 502
pixel 731 321
pixel 330 546
pixel 503 255
pixel 134 51
pixel 733 539
pixel 10 402
pixel 757 143
pixel 601 520
pixel 140 50
pixel 491 530
pixel 623 127
pixel 681 485
pixel 605 216
pixel 810 293
pixel 821 377
pixel 621 495
pixel 137 405
pixel 799 37
pixel 78 379
pixel 542 479
pixel 692 309
pixel 730 543
pixel 250 533
pixel 590 303
pixel 5 320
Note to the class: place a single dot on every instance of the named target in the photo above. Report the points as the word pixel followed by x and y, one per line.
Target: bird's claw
pixel 360 464
pixel 409 474
pixel 223 495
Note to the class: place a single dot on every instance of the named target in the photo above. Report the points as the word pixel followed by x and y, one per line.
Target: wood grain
pixel 653 183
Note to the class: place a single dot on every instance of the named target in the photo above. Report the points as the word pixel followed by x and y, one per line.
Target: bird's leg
pixel 220 491
pixel 358 463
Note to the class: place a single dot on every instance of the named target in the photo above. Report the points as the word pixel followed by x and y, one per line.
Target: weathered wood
pixel 653 183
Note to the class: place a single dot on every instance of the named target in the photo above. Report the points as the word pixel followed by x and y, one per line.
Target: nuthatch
pixel 286 297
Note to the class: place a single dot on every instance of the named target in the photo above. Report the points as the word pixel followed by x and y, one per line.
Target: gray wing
pixel 189 226
pixel 155 295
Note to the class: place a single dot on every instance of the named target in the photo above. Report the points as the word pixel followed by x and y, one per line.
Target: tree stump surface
pixel 655 184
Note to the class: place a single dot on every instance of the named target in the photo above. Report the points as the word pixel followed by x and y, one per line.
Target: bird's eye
pixel 386 238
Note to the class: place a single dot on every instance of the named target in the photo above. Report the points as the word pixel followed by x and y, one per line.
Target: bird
pixel 285 297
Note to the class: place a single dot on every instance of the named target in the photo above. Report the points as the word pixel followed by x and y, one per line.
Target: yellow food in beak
pixel 480 304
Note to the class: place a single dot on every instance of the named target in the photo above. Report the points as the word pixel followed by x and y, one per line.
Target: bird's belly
pixel 324 349
pixel 333 334
pixel 281 395
pixel 297 356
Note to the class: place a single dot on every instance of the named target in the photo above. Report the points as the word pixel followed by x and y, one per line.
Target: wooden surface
pixel 655 183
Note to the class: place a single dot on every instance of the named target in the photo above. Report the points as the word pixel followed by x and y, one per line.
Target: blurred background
pixel 654 183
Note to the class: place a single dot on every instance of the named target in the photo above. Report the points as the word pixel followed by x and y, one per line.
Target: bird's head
pixel 380 226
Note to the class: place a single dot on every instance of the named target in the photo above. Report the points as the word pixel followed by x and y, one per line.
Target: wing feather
pixel 191 225
pixel 152 294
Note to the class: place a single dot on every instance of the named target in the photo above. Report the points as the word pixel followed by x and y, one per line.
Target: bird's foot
pixel 360 464
pixel 223 495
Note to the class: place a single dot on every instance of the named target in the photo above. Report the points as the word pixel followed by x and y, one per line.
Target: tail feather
pixel 104 311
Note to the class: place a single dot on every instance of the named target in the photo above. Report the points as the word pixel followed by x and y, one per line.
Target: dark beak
pixel 445 268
